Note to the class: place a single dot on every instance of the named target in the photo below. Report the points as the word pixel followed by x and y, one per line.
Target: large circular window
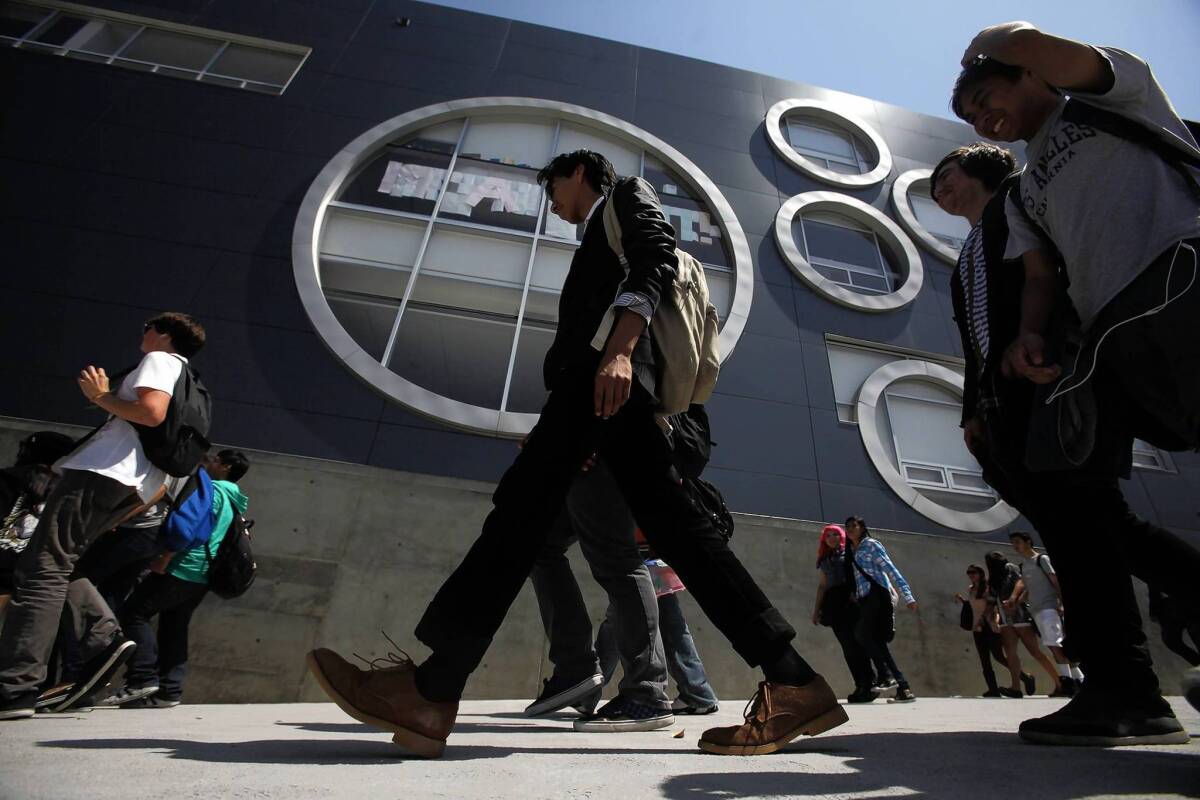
pixel 428 261
pixel 943 234
pixel 908 415
pixel 826 144
pixel 848 251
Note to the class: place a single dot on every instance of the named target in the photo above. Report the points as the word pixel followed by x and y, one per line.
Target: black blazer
pixel 596 276
pixel 1006 280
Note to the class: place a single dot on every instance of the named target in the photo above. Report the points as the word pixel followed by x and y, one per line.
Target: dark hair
pixel 997 569
pixel 975 73
pixel 237 462
pixel 862 523
pixel 597 170
pixel 987 163
pixel 1022 535
pixel 981 586
pixel 187 335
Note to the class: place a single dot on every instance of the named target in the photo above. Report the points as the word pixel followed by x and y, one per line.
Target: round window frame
pixel 310 220
pixel 894 238
pixel 908 217
pixel 870 396
pixel 817 109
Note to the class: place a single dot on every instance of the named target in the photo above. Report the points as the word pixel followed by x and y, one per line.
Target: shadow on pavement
pixel 459 727
pixel 937 765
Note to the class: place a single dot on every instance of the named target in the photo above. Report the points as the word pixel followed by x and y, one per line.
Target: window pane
pixel 509 141
pixel 842 244
pixel 466 271
pixel 368 320
pixel 62 29
pixel 807 136
pixel 842 168
pixel 463 357
pixel 696 231
pixel 969 481
pixel 720 291
pixel 493 194
pixel 928 432
pixel 400 178
pixel 102 36
pixel 173 49
pixel 554 225
pixel 256 64
pixel 527 392
pixel 835 274
pixel 626 160
pixel 924 474
pixel 850 367
pixel 375 239
pixel 17 19
pixel 869 283
pixel 550 266
pixel 936 221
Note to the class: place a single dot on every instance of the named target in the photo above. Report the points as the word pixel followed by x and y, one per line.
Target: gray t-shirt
pixel 1110 206
pixel 1041 591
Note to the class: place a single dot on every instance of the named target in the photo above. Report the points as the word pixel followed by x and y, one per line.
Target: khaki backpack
pixel 684 328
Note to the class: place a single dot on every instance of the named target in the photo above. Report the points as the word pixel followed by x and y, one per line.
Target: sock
pixel 438 683
pixel 1064 670
pixel 789 668
pixel 1077 673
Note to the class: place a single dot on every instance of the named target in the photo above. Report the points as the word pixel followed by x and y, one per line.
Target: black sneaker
pixel 1103 719
pixel 153 701
pixel 1066 688
pixel 128 694
pixel 883 684
pixel 867 695
pixel 1191 687
pixel 97 674
pixel 1013 693
pixel 1029 683
pixel 20 707
pixel 559 693
pixel 621 715
pixel 903 695
pixel 993 693
pixel 587 706
pixel 681 706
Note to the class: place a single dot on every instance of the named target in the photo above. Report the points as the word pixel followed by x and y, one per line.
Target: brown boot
pixel 775 715
pixel 386 698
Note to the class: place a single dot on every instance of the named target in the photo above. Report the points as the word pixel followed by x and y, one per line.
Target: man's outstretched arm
pixel 1065 63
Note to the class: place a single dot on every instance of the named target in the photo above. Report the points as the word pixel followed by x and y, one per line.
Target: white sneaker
pixel 127 694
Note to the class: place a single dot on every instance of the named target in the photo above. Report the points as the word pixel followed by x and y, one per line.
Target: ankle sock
pixel 789 668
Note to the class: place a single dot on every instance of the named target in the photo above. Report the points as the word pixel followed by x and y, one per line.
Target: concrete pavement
pixel 935 748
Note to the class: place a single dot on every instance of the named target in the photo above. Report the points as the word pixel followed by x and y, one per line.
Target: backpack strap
pixel 1114 124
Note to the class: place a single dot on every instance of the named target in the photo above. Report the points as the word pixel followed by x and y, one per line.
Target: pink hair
pixel 823 549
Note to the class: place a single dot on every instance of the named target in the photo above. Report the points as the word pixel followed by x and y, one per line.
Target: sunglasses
pixel 146 328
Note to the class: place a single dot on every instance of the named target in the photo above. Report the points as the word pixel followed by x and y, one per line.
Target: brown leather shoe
pixel 386 698
pixel 776 715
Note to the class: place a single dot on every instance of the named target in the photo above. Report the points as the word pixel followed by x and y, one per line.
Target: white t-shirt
pixel 115 451
pixel 1110 205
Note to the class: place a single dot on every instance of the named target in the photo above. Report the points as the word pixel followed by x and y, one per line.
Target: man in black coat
pixel 603 403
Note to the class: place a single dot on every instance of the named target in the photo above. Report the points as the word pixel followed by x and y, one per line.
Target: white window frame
pixel 848 412
pixel 889 277
pixel 1152 459
pixel 206 75
pixel 827 114
pixel 947 471
pixel 859 164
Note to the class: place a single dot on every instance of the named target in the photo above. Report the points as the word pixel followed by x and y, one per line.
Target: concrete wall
pixel 345 551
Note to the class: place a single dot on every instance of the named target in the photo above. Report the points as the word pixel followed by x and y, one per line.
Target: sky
pixel 904 53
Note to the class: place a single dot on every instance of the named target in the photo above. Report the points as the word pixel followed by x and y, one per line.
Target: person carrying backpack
pixel 603 400
pixel 173 590
pixel 1111 190
pixel 103 480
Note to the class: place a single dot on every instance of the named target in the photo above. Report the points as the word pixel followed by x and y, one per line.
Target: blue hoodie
pixel 192 565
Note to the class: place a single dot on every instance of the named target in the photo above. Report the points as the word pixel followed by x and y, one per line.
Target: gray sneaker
pixel 128 694
pixel 622 715
pixel 153 701
pixel 559 693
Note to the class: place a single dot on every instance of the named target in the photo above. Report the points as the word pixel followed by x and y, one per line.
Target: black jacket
pixel 1005 282
pixel 596 276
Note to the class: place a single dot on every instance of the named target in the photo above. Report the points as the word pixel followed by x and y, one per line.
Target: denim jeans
pixel 597 516
pixel 160 659
pixel 683 662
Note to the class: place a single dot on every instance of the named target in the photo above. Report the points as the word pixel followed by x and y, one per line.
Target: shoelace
pixel 393 659
pixel 751 711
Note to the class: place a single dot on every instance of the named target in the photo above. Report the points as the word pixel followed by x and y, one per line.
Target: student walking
pixel 979 617
pixel 835 609
pixel 1016 621
pixel 1110 189
pixel 602 400
pixel 173 590
pixel 875 576
pixel 102 482
pixel 1039 583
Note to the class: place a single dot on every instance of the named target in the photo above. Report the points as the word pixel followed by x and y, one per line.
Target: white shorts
pixel 1049 625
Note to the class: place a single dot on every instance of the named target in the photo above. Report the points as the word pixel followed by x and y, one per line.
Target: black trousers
pixel 468 609
pixel 857 660
pixel 161 659
pixel 988 645
pixel 876 614
pixel 1097 545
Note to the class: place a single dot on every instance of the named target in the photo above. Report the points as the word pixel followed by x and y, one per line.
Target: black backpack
pixel 180 442
pixel 692 445
pixel 232 570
